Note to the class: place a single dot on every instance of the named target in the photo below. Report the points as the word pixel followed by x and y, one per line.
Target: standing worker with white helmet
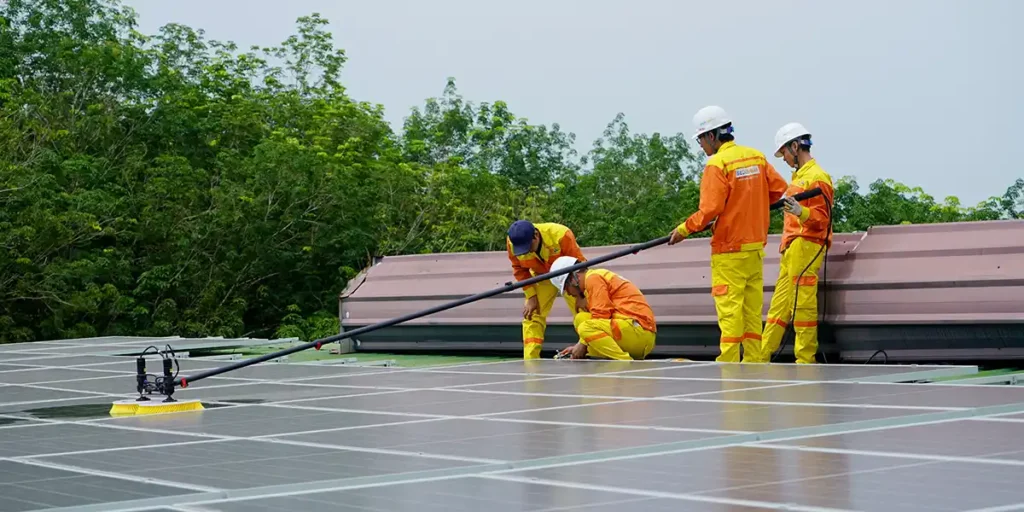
pixel 806 236
pixel 612 318
pixel 736 189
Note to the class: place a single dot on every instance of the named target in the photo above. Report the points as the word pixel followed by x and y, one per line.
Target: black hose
pixel 510 286
pixel 879 351
pixel 405 318
pixel 174 357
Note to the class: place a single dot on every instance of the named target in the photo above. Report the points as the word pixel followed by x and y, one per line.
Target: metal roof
pixel 938 273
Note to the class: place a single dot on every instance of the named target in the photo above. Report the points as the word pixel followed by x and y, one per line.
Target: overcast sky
pixel 927 92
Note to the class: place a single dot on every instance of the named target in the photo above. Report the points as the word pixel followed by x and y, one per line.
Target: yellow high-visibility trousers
pixel 800 254
pixel 737 285
pixel 613 338
pixel 535 326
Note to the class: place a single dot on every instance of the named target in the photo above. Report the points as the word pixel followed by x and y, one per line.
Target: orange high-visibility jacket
pixel 736 189
pixel 813 223
pixel 556 241
pixel 610 295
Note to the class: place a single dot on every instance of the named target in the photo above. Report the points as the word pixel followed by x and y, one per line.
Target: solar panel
pixel 501 436
pixel 126 345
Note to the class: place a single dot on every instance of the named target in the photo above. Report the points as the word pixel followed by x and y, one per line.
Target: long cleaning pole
pixel 185 381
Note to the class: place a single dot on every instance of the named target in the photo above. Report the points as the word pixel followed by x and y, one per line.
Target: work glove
pixel 792 207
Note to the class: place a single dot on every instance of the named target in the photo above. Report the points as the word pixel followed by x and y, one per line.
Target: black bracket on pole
pixel 169 383
pixel 170 361
pixel 141 384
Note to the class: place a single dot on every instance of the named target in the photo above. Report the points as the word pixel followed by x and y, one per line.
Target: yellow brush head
pixel 133 408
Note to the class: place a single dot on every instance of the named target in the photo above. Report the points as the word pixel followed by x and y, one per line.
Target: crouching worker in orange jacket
pixel 532 248
pixel 612 318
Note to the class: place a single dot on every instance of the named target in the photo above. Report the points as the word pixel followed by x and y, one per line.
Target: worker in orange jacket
pixel 532 248
pixel 612 318
pixel 736 189
pixel 805 238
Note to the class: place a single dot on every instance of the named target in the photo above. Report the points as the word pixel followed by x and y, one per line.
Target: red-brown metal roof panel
pixel 935 289
pixel 894 274
pixel 934 274
pixel 676 281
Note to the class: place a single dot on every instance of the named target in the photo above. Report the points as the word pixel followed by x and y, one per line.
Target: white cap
pixel 559 264
pixel 709 118
pixel 787 134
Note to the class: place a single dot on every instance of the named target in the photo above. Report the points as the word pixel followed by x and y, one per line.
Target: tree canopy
pixel 169 184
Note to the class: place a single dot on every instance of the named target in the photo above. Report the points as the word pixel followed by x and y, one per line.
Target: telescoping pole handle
pixel 185 381
pixel 807 194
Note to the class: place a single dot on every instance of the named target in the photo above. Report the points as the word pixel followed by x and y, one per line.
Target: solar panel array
pixel 505 436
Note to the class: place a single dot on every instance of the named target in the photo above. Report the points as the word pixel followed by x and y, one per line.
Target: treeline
pixel 173 185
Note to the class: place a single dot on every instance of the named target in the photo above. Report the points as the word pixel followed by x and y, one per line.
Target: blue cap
pixel 520 233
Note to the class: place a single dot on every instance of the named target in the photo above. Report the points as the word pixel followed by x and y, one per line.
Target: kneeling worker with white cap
pixel 612 318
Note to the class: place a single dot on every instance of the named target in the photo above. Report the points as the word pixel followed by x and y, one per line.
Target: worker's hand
pixel 579 351
pixel 676 237
pixel 792 207
pixel 532 306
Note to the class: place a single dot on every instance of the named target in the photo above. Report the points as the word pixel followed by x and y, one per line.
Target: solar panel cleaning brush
pixel 133 408
pixel 163 384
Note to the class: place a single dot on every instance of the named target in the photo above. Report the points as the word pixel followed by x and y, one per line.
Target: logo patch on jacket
pixel 746 172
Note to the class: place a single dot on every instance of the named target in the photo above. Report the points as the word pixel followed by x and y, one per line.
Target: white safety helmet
pixel 709 118
pixel 787 134
pixel 559 264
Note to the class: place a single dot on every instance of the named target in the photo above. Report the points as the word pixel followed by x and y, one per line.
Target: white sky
pixel 921 91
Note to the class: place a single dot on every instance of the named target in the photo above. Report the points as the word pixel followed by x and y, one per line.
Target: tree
pixel 171 185
pixel 174 185
pixel 488 138
pixel 1012 202
pixel 640 187
pixel 890 203
pixel 480 168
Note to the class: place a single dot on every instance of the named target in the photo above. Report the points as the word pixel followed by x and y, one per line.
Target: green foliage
pixel 889 203
pixel 172 185
pixel 1012 202
pixel 320 325
pixel 488 138
pixel 640 187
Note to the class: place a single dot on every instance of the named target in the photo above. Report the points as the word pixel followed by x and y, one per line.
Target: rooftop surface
pixel 504 436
